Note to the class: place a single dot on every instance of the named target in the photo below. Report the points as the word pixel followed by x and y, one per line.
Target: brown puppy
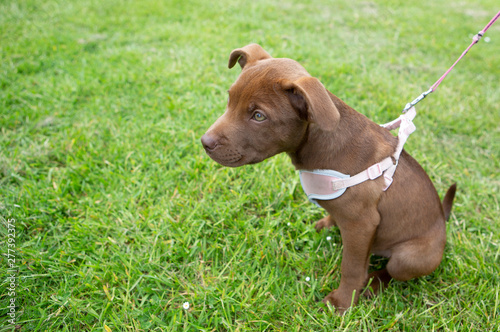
pixel 276 106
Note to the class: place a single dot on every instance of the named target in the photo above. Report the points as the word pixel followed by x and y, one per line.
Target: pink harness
pixel 329 184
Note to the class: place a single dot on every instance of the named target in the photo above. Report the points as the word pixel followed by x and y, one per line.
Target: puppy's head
pixel 270 107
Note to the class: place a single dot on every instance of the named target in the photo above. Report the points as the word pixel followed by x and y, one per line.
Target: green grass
pixel 121 217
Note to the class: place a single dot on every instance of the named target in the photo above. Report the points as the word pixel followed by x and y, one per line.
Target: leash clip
pixel 417 100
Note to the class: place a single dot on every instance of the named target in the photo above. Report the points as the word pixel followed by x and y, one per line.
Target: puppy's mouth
pixel 226 157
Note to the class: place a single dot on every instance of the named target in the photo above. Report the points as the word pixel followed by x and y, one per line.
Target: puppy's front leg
pixel 357 239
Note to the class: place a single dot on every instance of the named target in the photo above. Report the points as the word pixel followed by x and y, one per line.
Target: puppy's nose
pixel 209 143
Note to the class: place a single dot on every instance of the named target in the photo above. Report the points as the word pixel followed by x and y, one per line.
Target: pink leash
pixel 405 121
pixel 475 39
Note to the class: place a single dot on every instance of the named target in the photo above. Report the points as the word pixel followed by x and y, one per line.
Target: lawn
pixel 116 217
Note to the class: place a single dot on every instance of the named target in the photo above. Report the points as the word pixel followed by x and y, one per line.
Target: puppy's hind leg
pixel 377 282
pixel 417 257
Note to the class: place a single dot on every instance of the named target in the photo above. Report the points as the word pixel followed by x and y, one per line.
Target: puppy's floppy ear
pixel 247 55
pixel 311 100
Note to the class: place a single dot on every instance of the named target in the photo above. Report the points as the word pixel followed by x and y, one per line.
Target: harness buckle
pixel 374 171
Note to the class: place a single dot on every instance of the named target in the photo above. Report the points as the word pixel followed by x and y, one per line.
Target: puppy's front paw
pixel 325 222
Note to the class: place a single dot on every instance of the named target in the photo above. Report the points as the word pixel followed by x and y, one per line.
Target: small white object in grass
pixel 487 39
pixel 185 305
pixel 328 238
pixel 307 278
pixel 288 224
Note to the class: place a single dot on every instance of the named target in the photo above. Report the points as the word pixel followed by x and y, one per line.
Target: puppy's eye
pixel 259 117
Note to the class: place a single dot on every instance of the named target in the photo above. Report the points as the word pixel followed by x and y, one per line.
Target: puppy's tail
pixel 448 200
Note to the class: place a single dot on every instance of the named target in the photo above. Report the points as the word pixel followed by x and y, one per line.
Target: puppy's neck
pixel 355 144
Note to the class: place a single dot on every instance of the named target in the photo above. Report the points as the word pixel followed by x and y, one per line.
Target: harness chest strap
pixel 330 184
pixel 323 184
